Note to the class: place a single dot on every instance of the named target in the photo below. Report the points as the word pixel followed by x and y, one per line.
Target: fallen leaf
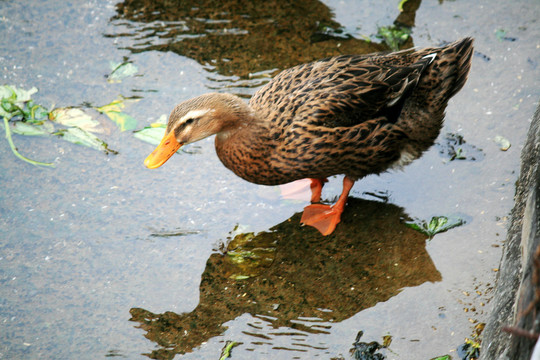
pixel 436 224
pixel 13 102
pixel 74 117
pixel 20 95
pixel 16 151
pixel 114 112
pixel 151 134
pixel 454 147
pixel 17 104
pixel 121 71
pixel 23 128
pixel 226 352
pixel 81 137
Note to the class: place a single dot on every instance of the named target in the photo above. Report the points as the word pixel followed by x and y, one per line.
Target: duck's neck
pixel 243 137
pixel 237 119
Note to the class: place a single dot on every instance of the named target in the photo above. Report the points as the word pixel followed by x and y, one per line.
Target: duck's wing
pixel 357 90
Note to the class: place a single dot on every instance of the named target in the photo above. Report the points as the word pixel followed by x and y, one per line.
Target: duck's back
pixel 357 114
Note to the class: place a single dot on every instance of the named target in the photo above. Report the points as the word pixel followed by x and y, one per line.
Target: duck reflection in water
pixel 289 273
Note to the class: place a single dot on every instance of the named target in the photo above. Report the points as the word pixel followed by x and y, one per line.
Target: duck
pixel 351 115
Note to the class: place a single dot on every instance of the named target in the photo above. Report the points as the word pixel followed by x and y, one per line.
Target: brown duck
pixel 351 114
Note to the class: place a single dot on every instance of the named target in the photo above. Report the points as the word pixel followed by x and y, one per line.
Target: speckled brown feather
pixel 353 115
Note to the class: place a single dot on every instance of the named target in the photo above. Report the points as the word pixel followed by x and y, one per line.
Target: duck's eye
pixel 189 121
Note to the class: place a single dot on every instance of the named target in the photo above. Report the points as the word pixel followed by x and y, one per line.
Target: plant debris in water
pixel 454 147
pixel 436 225
pixel 501 35
pixel 74 117
pixel 120 71
pixel 79 127
pixel 368 351
pixel 470 350
pixel 400 5
pixel 173 233
pixel 23 117
pixel 226 352
pixel 326 32
pixel 504 143
pixel 115 113
pixel 17 106
pixel 154 133
pixel 394 36
pixel 79 136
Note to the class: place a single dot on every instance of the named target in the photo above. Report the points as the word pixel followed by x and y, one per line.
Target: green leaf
pixel 39 113
pixel 226 352
pixel 8 109
pixel 27 118
pixel 16 152
pixel 16 95
pixel 400 5
pixel 393 35
pixel 114 112
pixel 121 71
pixel 74 117
pixel 81 137
pixel 151 134
pixel 13 100
pixel 24 128
pixel 123 120
pixel 18 102
pixel 444 357
pixel 34 113
pixel 437 224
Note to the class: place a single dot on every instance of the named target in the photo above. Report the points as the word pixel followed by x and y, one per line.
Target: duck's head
pixel 196 119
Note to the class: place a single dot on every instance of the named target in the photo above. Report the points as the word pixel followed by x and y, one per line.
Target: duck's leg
pixel 316 189
pixel 325 217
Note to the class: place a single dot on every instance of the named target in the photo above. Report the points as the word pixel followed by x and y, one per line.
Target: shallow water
pixel 101 257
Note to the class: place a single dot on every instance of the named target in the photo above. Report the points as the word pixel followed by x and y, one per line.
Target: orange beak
pixel 166 148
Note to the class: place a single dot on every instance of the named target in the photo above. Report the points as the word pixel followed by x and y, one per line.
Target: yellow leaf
pixel 114 112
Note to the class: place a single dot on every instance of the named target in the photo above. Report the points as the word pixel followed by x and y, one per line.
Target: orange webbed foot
pixel 325 217
pixel 322 217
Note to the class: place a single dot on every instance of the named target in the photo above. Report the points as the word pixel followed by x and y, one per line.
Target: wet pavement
pixel 101 257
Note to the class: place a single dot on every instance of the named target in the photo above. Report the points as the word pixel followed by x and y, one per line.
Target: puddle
pixel 101 257
pixel 297 282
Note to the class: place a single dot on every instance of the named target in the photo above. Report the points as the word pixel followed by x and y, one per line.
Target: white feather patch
pixel 193 114
pixel 431 57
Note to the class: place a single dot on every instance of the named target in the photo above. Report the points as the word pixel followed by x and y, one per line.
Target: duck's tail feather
pixel 447 72
pixel 461 51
